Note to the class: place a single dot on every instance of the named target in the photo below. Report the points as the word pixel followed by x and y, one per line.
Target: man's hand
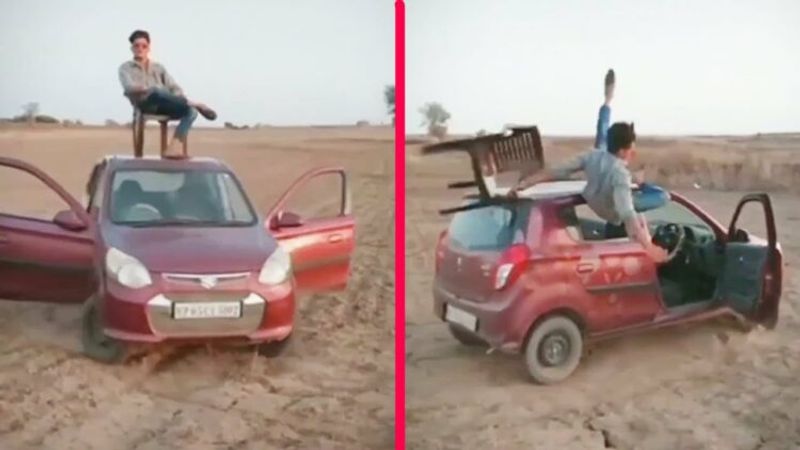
pixel 638 176
pixel 657 254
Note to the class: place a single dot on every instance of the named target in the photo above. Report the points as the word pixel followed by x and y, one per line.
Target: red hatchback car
pixel 173 251
pixel 536 275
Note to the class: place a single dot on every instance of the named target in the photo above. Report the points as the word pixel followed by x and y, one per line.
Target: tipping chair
pixel 139 121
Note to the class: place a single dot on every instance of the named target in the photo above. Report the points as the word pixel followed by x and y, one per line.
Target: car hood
pixel 195 250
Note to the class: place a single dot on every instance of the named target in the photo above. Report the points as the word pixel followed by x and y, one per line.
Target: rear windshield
pixel 490 228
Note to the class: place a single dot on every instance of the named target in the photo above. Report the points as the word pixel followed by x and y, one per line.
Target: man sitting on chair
pixel 150 88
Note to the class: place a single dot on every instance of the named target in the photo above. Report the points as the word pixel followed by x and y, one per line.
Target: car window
pixel 160 197
pixel 26 196
pixel 490 228
pixel 318 198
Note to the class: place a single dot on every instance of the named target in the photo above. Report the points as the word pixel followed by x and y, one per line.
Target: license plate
pixel 461 317
pixel 207 310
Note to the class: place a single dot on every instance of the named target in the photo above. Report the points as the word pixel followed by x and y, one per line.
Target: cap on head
pixel 139 34
pixel 621 136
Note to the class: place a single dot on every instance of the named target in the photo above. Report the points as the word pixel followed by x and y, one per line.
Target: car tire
pixel 465 337
pixel 275 348
pixel 96 345
pixel 553 350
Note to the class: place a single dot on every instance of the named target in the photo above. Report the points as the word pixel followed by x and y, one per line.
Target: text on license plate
pixel 461 317
pixel 207 310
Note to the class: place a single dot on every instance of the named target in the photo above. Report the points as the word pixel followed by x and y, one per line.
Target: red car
pixel 173 251
pixel 536 275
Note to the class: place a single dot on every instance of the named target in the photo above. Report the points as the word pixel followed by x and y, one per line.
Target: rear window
pixel 490 228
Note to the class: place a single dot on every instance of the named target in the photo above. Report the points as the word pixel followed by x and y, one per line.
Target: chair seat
pixel 156 117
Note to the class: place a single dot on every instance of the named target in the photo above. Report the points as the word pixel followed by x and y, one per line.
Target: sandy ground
pixel 709 386
pixel 332 389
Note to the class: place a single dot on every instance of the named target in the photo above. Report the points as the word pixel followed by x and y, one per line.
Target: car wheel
pixel 96 345
pixel 465 337
pixel 275 348
pixel 553 350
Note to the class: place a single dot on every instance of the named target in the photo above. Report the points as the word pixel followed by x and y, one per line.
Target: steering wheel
pixel 142 212
pixel 670 237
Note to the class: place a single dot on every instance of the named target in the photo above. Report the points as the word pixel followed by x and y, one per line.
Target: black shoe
pixel 207 112
pixel 609 84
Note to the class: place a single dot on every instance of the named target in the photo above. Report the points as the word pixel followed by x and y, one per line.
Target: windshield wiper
pixel 186 222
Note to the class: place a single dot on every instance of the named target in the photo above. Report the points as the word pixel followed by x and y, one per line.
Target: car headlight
pixel 277 268
pixel 126 269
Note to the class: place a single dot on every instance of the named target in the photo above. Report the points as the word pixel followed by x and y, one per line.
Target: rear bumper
pixel 146 316
pixel 496 322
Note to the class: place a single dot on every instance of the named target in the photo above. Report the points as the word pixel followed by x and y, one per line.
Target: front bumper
pixel 146 315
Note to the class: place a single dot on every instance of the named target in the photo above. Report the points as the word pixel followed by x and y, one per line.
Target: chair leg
pixel 163 137
pixel 138 136
pixel 186 147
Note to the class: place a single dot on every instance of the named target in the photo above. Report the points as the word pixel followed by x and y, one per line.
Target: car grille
pixel 208 281
pixel 160 308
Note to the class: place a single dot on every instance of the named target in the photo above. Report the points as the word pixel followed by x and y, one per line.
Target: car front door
pixel 617 274
pixel 752 269
pixel 321 244
pixel 43 260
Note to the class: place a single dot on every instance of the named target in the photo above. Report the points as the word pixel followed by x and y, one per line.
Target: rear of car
pixel 479 258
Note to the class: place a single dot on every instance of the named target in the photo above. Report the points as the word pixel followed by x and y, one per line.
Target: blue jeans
pixel 162 102
pixel 603 123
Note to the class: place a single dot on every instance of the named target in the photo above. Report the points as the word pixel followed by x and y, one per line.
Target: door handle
pixel 585 268
pixel 334 238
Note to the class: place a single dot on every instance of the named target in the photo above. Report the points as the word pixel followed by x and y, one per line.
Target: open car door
pixel 44 260
pixel 321 245
pixel 750 281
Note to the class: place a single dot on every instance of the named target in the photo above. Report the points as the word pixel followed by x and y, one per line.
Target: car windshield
pixel 189 198
pixel 488 229
pixel 674 212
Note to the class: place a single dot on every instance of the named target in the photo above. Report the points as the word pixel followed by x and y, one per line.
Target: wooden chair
pixel 139 121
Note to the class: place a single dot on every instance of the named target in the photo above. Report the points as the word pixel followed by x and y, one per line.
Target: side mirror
pixel 740 235
pixel 286 219
pixel 68 220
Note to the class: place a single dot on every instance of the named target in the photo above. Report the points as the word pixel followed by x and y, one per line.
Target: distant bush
pixel 41 118
pixel 111 123
pixel 362 123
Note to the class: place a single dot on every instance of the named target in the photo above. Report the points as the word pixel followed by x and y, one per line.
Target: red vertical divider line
pixel 400 228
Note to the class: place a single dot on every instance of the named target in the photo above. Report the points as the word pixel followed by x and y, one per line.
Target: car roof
pixel 156 162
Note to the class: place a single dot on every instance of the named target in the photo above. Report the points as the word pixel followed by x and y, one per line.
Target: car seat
pixel 128 193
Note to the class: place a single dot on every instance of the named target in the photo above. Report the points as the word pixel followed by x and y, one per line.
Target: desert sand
pixel 708 386
pixel 332 389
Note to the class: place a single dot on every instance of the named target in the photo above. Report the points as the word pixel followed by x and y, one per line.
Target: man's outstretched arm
pixel 635 225
pixel 556 173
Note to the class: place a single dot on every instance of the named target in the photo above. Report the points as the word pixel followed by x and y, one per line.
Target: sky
pixel 683 67
pixel 274 62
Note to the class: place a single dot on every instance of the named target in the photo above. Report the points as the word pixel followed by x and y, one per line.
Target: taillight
pixel 440 249
pixel 510 265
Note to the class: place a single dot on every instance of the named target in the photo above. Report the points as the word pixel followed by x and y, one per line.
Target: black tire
pixel 275 348
pixel 465 337
pixel 553 350
pixel 96 345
